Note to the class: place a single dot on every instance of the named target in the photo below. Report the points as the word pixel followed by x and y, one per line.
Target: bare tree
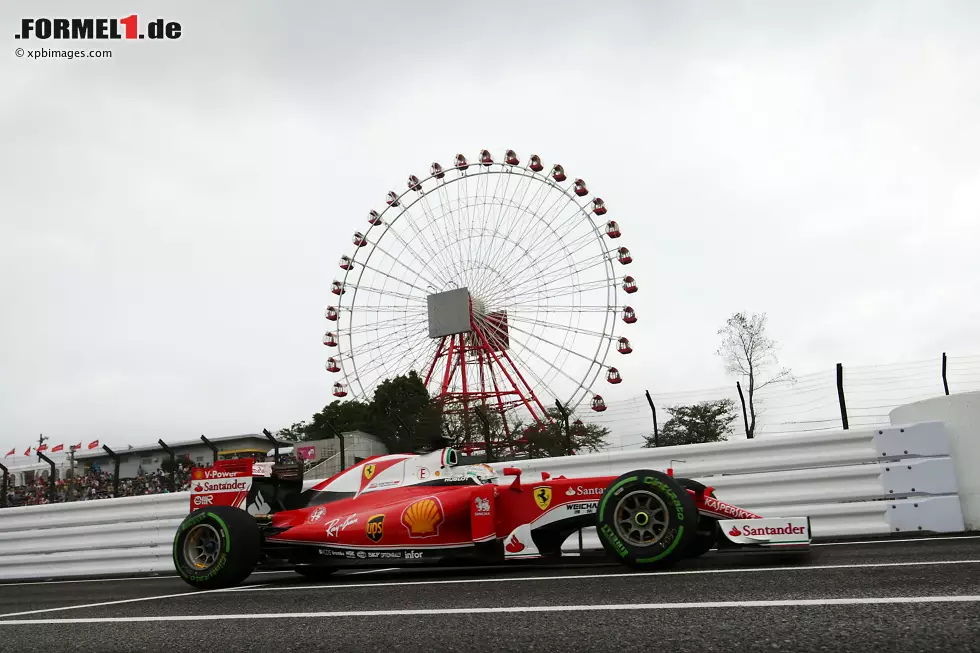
pixel 749 353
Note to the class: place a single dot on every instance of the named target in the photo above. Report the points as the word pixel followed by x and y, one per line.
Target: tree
pixel 403 401
pixel 708 421
pixel 293 433
pixel 398 402
pixel 748 352
pixel 548 438
pixel 350 415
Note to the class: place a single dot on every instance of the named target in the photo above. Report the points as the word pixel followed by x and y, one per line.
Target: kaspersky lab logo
pixel 97 28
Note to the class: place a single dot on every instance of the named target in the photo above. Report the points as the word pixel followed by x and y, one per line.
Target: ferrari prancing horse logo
pixel 542 497
pixel 368 472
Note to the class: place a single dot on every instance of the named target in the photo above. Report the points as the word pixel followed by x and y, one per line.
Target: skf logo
pixel 369 472
pixel 424 517
pixel 375 528
pixel 542 497
pixel 96 28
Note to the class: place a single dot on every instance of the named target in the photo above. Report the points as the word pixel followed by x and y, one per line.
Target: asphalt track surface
pixel 892 595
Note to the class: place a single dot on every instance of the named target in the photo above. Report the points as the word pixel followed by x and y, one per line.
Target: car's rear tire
pixel 707 531
pixel 646 519
pixel 314 572
pixel 216 547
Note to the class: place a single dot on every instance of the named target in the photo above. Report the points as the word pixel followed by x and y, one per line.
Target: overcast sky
pixel 170 219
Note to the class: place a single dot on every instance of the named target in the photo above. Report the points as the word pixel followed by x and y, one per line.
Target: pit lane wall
pixel 895 479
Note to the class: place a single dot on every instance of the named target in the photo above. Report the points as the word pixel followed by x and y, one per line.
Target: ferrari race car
pixel 403 509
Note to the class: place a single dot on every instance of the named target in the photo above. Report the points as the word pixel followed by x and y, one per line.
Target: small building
pixel 324 455
pixel 147 459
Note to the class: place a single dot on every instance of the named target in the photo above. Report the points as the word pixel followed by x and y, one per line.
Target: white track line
pixel 911 539
pixel 467 581
pixel 372 571
pixel 123 601
pixel 120 579
pixel 628 574
pixel 728 605
pixel 286 571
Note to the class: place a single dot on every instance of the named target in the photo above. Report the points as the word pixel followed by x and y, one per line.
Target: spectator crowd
pixel 96 485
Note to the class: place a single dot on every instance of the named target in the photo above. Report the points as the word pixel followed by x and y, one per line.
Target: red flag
pixel 77 446
pixel 28 452
pixel 11 452
pixel 57 448
pixel 93 445
pixel 43 447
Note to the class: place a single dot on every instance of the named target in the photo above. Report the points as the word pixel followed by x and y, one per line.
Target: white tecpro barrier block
pixel 960 414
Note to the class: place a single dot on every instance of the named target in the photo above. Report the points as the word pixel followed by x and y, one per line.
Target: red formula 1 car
pixel 403 509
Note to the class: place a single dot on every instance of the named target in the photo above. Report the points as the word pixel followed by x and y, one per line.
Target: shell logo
pixel 197 474
pixel 424 517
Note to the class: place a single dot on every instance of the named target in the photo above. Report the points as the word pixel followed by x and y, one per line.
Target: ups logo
pixel 375 528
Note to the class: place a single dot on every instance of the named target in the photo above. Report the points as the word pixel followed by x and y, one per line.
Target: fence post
pixel 945 384
pixel 173 464
pixel 275 446
pixel 656 432
pixel 214 449
pixel 50 476
pixel 115 474
pixel 745 416
pixel 3 487
pixel 568 430
pixel 840 395
pixel 410 435
pixel 488 449
pixel 340 437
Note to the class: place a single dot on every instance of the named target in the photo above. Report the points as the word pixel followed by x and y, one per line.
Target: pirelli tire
pixel 216 547
pixel 646 519
pixel 707 533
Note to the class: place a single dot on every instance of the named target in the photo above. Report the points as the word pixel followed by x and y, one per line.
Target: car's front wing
pixel 769 532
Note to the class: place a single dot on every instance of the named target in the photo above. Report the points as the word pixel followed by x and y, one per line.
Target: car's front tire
pixel 217 547
pixel 646 519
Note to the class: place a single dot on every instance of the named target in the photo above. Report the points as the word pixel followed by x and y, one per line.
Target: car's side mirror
pixel 514 471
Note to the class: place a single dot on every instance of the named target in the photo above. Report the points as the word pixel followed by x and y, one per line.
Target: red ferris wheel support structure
pixel 506 386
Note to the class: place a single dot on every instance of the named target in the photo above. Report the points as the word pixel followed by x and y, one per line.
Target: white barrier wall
pixel 863 482
pixel 961 415
pixel 896 479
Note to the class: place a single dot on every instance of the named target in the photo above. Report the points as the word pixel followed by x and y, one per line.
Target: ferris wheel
pixel 496 282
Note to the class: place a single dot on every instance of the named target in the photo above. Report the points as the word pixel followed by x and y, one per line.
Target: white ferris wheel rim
pixel 348 361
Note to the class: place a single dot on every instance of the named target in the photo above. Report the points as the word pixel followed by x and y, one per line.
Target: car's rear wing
pixel 258 488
